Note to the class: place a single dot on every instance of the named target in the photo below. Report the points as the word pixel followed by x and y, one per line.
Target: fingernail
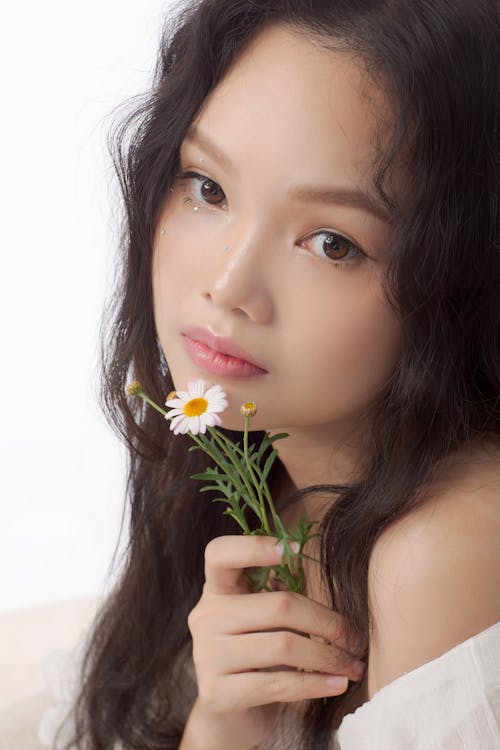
pixel 294 546
pixel 279 549
pixel 336 683
pixel 359 668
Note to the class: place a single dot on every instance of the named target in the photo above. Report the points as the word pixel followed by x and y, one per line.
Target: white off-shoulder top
pixel 449 703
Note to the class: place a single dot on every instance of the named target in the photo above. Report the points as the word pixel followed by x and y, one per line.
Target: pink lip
pixel 218 355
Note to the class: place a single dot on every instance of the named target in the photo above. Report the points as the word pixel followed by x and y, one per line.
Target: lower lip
pixel 217 363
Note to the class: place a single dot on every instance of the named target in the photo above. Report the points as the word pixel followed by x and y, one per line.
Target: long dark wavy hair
pixel 438 61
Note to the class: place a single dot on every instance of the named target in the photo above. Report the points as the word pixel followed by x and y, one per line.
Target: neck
pixel 324 455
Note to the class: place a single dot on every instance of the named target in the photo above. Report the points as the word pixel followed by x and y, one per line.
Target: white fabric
pixel 449 703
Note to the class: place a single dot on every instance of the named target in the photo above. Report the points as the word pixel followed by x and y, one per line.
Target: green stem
pixel 242 522
pixel 276 518
pixel 250 471
pixel 251 498
pixel 151 403
pixel 242 454
pixel 207 448
pixel 204 446
pixel 230 449
pixel 257 469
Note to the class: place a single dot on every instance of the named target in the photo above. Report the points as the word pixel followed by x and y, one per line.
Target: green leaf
pixel 238 518
pixel 267 468
pixel 279 436
pixel 228 467
pixel 258 578
pixel 262 448
pixel 211 487
pixel 209 474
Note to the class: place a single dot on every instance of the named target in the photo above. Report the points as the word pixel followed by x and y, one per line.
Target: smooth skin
pixel 313 313
pixel 239 635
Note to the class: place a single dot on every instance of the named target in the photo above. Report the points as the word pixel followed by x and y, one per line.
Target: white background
pixel 65 66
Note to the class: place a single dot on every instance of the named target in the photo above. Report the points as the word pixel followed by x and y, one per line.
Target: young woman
pixel 317 182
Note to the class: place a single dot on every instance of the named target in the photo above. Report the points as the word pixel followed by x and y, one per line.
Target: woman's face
pixel 299 286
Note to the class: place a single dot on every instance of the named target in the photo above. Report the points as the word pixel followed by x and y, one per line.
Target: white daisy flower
pixel 194 410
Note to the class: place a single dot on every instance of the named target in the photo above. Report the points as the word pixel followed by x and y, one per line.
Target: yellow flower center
pixel 195 407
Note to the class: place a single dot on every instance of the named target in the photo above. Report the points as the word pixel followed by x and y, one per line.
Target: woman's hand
pixel 248 647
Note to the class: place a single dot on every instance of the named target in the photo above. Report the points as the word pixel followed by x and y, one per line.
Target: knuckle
pixel 284 603
pixel 212 551
pixel 327 660
pixel 336 633
pixel 284 643
pixel 192 618
pixel 201 616
pixel 196 616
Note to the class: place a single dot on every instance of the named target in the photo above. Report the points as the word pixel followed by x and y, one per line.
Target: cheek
pixel 354 347
pixel 171 270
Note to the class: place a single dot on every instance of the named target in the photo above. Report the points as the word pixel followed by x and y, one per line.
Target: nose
pixel 241 281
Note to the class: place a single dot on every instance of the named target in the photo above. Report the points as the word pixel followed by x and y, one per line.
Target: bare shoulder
pixel 433 575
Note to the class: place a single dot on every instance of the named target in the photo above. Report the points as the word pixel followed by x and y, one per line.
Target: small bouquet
pixel 238 474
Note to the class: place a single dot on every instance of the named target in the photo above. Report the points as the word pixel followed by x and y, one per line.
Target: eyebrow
pixel 331 195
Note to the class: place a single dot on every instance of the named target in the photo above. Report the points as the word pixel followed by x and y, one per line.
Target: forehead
pixel 289 101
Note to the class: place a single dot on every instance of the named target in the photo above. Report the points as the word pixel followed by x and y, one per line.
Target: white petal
pixel 174 413
pixel 209 418
pixel 196 388
pixel 184 425
pixel 195 425
pixel 217 399
pixel 217 407
pixel 174 402
pixel 174 423
pixel 215 390
pixel 183 396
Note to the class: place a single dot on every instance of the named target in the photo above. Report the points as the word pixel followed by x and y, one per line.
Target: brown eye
pixel 210 191
pixel 334 247
pixel 204 189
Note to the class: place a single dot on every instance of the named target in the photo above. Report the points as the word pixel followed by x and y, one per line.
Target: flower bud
pixel 172 394
pixel 248 409
pixel 134 388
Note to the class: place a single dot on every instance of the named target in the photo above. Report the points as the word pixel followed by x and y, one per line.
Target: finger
pixel 250 689
pixel 262 650
pixel 283 610
pixel 226 558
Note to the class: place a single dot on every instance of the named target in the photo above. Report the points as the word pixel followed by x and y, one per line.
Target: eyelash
pixel 344 264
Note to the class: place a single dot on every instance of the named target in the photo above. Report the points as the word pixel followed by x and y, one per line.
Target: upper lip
pixel 220 344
